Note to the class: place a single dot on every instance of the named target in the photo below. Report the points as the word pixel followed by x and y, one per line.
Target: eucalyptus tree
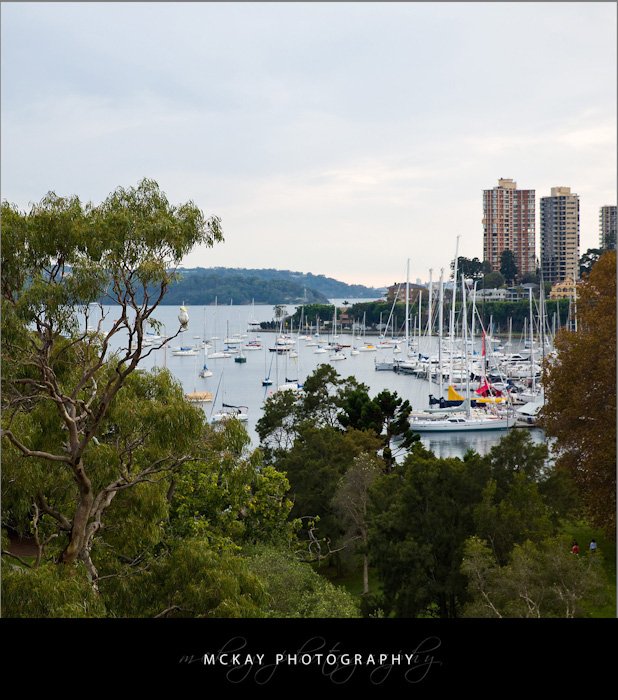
pixel 69 443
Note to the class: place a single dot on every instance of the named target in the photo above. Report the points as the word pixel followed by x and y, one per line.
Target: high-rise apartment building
pixel 559 224
pixel 508 223
pixel 607 227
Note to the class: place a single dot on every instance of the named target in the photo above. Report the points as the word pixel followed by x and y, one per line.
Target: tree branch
pixel 57 515
pixel 19 559
pixel 165 612
pixel 33 453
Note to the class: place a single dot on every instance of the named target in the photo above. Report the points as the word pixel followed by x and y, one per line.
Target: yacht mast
pixel 452 328
pixel 408 305
pixel 465 343
pixel 440 325
pixel 531 341
pixel 430 312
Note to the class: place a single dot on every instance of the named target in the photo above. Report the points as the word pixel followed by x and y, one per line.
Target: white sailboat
pixel 252 324
pixel 460 421
pixel 184 350
pixel 205 372
pixel 228 411
pixel 267 381
pixel 463 418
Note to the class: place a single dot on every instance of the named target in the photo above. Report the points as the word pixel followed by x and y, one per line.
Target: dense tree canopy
pixel 470 268
pixel 508 266
pixel 492 280
pixel 294 589
pixel 328 400
pixel 60 380
pixel 588 261
pixel 422 517
pixel 540 580
pixel 580 392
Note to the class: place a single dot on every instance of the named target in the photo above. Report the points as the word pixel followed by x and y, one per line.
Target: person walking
pixel 593 546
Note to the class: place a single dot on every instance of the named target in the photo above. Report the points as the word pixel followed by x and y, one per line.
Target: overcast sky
pixel 334 138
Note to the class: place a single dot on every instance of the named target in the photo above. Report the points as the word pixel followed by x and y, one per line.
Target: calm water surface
pixel 241 384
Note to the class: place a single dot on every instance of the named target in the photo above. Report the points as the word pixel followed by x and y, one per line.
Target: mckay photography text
pixel 239 661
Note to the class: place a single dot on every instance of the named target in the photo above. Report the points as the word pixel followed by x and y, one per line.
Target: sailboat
pixel 254 344
pixel 227 410
pixel 366 347
pixel 199 397
pixel 267 381
pixel 231 339
pixel 218 355
pixel 453 421
pixel 252 324
pixel 205 372
pixel 462 418
pixel 185 350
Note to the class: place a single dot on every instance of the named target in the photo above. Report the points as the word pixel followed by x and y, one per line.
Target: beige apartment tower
pixel 508 223
pixel 607 227
pixel 559 224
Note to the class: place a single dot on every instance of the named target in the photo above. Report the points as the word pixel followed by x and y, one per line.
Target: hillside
pixel 201 286
pixel 329 287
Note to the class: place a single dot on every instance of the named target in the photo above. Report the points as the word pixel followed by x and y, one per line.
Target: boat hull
pixel 455 425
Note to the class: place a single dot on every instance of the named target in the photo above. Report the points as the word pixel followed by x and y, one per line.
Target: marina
pixel 275 361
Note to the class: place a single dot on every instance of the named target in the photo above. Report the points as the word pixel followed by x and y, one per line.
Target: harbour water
pixel 241 383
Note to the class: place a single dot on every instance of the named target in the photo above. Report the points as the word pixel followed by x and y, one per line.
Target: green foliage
pixel 311 312
pixel 372 310
pixel 517 453
pixel 191 579
pixel 84 440
pixel 149 423
pixel 518 312
pixel 330 401
pixel 285 413
pixel 294 589
pixel 422 514
pixel 588 261
pixel 492 280
pixel 276 425
pixel 230 493
pixel 519 515
pixel 469 268
pixel 530 278
pixel 580 393
pixel 541 580
pixel 508 266
pixel 264 286
pixel 314 466
pixel 48 591
pixel 560 495
pixel 512 509
pixel 386 414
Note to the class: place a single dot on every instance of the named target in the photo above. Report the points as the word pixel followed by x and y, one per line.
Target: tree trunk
pixel 442 606
pixel 365 574
pixel 80 521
